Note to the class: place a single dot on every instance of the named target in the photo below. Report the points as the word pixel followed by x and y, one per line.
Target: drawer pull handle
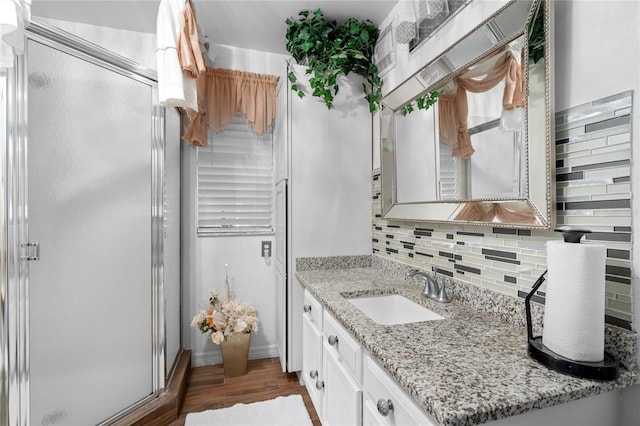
pixel 333 340
pixel 385 407
pixel 313 374
pixel 319 385
pixel 307 308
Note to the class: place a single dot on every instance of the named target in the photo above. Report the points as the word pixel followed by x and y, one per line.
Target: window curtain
pixel 506 212
pixel 453 108
pixel 221 93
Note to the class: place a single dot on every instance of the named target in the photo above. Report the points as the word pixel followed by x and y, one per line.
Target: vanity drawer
pixel 346 347
pixel 312 309
pixel 378 386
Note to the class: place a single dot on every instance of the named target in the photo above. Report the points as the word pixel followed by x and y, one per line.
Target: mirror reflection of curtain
pixel 507 212
pixel 453 106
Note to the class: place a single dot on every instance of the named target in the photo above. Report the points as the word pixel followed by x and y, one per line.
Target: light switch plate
pixel 265 249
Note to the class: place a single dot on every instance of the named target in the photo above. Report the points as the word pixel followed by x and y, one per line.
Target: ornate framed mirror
pixel 468 138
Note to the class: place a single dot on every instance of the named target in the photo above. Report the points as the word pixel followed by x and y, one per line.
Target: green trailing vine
pixel 537 36
pixel 424 102
pixel 329 50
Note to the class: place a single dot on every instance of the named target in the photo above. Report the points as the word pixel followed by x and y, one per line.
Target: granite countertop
pixel 470 368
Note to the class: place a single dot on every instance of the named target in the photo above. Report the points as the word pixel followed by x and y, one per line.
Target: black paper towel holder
pixel 607 369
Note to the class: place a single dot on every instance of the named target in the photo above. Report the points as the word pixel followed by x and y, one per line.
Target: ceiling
pixel 256 24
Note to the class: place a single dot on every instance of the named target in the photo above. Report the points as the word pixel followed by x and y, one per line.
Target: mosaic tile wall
pixel 593 170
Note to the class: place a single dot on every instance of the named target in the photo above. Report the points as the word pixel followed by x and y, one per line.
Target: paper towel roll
pixel 574 306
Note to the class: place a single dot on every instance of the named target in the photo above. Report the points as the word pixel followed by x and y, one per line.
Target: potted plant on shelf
pixel 230 325
pixel 329 50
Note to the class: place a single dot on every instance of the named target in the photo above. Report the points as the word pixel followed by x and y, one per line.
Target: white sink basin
pixel 393 309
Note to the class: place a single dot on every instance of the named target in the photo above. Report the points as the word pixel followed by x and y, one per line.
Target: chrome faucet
pixel 431 288
pixel 429 282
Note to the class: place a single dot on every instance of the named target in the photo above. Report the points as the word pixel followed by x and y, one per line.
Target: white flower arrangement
pixel 225 318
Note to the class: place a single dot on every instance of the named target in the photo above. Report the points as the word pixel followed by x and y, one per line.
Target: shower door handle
pixel 30 251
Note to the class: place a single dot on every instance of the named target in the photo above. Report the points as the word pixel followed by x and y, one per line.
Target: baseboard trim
pixel 215 357
pixel 165 408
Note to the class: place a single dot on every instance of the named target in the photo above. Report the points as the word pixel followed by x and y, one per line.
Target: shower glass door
pixel 89 204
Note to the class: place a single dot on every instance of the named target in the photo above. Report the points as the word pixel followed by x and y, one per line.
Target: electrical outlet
pixel 265 249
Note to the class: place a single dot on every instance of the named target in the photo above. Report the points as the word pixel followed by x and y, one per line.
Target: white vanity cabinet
pixel 347 386
pixel 385 403
pixel 312 351
pixel 331 366
pixel 343 395
pixel 343 346
pixel 342 362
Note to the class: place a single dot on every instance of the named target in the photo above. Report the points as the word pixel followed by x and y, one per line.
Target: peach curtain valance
pixel 453 108
pixel 222 93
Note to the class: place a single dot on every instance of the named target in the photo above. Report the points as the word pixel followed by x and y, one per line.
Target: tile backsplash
pixel 593 190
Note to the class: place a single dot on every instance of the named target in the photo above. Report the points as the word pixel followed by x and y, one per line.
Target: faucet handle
pixel 410 273
pixel 443 297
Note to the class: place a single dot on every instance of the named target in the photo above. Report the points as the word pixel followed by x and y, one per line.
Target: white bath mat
pixel 281 411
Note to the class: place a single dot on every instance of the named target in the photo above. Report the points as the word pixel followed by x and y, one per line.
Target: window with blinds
pixel 235 181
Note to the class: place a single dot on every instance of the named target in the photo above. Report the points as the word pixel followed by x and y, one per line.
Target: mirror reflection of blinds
pixel 235 181
pixel 450 188
pixel 385 51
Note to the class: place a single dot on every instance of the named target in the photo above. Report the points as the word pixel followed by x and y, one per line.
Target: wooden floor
pixel 208 388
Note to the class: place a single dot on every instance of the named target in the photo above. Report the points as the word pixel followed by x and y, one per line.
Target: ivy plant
pixel 329 50
pixel 537 36
pixel 423 102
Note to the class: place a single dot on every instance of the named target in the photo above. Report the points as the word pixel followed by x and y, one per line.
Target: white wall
pixel 592 63
pixel 137 46
pixel 204 258
pixel 235 58
pixel 330 176
pixel 330 186
pixel 252 281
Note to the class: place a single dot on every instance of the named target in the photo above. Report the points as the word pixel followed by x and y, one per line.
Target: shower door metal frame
pixel 4 350
pixel 14 280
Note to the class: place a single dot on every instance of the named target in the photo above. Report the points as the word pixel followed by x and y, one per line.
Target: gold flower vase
pixel 235 353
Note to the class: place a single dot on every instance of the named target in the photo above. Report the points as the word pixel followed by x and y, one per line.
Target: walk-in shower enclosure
pixel 89 285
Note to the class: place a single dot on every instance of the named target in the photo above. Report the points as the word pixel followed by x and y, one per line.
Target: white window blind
pixel 235 181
